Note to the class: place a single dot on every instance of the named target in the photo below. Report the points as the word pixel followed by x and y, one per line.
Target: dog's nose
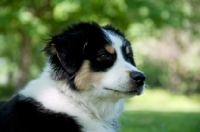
pixel 138 77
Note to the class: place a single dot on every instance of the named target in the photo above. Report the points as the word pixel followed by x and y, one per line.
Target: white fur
pixel 96 108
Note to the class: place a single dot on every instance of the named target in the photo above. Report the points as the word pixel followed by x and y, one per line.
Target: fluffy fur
pixel 81 89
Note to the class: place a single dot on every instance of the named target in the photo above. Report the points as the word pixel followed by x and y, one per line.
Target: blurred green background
pixel 165 35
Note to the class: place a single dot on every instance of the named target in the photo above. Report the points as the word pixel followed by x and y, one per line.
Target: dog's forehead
pixel 116 42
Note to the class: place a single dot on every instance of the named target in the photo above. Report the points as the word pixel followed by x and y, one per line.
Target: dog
pixel 89 71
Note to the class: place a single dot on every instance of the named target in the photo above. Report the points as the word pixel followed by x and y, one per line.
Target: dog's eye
pixel 104 57
pixel 129 58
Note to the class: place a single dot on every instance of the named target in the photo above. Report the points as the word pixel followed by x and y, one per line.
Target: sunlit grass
pixel 161 111
pixel 137 121
pixel 160 100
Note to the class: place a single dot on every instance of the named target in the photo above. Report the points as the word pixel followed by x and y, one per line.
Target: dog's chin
pixel 127 93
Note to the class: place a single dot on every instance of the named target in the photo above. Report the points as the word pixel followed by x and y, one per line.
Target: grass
pixel 148 121
pixel 160 111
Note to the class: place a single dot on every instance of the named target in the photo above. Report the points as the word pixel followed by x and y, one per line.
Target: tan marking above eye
pixel 127 50
pixel 110 49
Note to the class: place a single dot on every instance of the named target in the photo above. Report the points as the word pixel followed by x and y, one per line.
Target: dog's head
pixel 95 59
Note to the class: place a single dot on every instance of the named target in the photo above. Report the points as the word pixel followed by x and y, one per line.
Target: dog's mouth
pixel 131 92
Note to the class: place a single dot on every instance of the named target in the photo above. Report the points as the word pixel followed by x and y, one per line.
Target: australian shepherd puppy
pixel 90 70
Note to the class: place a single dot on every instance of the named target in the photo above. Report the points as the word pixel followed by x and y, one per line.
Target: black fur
pixel 128 57
pixel 27 115
pixel 113 29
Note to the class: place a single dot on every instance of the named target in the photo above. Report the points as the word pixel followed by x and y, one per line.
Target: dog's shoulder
pixel 7 106
pixel 22 114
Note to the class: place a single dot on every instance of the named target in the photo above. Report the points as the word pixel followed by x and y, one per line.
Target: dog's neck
pixel 58 97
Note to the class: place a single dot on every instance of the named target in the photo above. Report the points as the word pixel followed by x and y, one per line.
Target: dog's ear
pixel 66 50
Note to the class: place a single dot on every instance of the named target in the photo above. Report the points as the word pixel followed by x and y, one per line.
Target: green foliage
pixel 24 25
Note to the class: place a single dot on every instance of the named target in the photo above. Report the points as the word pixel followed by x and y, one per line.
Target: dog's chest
pixel 98 126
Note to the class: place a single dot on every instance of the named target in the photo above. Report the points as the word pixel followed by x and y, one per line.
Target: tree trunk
pixel 24 61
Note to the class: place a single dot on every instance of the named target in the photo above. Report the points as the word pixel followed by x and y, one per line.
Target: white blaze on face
pixel 118 76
